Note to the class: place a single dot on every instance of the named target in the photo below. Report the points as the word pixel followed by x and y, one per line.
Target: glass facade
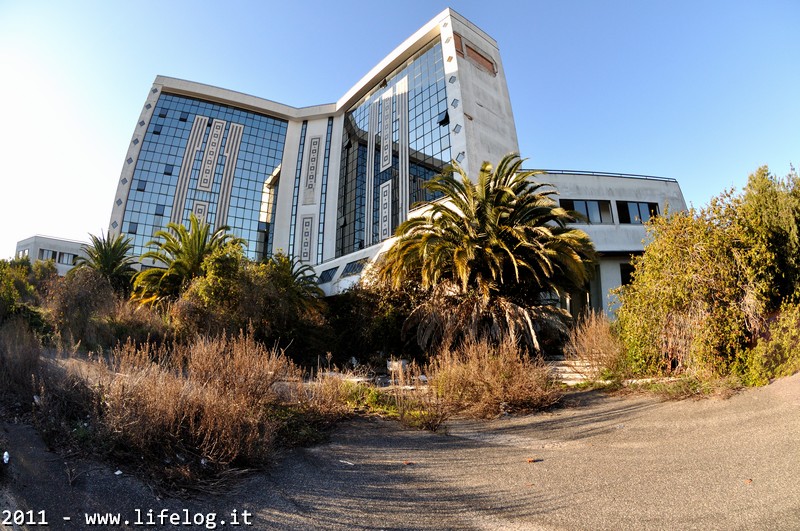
pixel 296 189
pixel 168 154
pixel 428 146
pixel 324 191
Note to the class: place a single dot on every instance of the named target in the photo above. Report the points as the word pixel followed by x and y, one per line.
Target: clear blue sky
pixel 702 91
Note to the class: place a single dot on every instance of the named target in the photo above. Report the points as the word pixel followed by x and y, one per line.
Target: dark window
pixel 327 275
pixel 626 273
pixel 589 210
pixel 184 116
pixel 162 113
pixel 157 129
pixel 141 185
pixel 636 212
pixel 168 169
pixel 159 210
pixel 133 228
pixel 354 268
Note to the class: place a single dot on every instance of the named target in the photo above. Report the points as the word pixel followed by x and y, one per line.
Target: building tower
pixel 328 183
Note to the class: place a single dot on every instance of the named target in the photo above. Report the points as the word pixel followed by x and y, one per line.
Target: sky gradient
pixel 701 91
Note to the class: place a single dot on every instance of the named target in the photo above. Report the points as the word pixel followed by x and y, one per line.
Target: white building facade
pixel 64 253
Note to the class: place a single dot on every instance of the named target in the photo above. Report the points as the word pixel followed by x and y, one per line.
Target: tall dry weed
pixel 484 380
pixel 594 348
pixel 212 403
pixel 418 404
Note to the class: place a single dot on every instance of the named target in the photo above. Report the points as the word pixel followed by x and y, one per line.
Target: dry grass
pixel 596 349
pixel 418 404
pixel 19 358
pixel 204 406
pixel 482 380
pixel 188 415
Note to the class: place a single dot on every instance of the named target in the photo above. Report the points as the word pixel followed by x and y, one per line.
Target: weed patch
pixel 20 352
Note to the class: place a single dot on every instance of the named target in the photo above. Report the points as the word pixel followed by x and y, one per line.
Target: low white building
pixel 614 208
pixel 62 252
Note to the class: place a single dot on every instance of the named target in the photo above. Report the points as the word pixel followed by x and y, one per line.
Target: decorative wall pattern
pixel 311 173
pixel 306 225
pixel 371 134
pixel 192 147
pixel 401 99
pixel 385 210
pixel 386 128
pixel 207 170
pixel 200 211
pixel 231 157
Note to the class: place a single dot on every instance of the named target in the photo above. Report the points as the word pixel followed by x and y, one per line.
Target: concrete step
pixel 570 372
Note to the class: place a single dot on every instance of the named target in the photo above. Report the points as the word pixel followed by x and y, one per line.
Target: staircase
pixel 569 372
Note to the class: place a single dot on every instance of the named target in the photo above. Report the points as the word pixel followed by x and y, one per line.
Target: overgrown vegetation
pixel 714 294
pixel 484 379
pixel 185 413
pixel 19 358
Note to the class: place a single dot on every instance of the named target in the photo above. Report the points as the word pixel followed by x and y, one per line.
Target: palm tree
pixel 295 281
pixel 181 252
pixel 489 250
pixel 110 256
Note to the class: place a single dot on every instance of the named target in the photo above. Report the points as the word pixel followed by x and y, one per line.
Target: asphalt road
pixel 604 463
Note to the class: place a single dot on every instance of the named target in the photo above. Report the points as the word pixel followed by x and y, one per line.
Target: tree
pixel 181 252
pixel 110 257
pixel 490 248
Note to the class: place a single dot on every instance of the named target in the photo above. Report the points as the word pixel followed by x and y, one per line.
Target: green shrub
pixel 777 353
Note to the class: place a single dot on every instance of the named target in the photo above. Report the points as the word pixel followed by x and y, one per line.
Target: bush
pixel 596 348
pixel 279 299
pixel 777 353
pixel 707 280
pixel 368 322
pixel 128 321
pixel 19 358
pixel 212 402
pixel 76 301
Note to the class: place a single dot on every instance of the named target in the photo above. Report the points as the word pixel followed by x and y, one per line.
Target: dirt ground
pixel 604 462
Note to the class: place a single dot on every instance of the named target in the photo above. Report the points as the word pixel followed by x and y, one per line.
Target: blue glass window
pixel 428 141
pixel 162 154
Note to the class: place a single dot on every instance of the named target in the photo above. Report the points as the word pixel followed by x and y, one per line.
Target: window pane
pixel 605 212
pixel 633 212
pixel 644 212
pixel 594 211
pixel 580 207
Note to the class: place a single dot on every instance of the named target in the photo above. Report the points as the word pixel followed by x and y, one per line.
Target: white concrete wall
pixel 485 105
pixel 614 236
pixel 610 278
